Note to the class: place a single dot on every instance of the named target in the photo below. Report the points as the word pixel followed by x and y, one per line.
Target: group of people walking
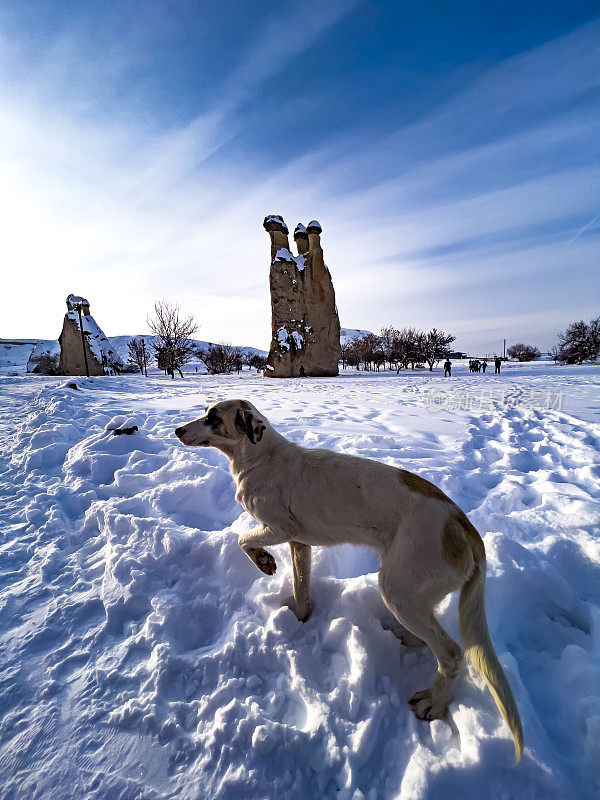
pixel 475 365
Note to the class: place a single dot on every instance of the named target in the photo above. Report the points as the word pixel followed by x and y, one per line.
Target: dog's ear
pixel 252 426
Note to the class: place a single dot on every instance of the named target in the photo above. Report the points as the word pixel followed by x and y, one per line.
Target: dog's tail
pixel 478 647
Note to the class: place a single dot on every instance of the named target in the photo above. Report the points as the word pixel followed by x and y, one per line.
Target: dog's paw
pixel 424 706
pixel 265 561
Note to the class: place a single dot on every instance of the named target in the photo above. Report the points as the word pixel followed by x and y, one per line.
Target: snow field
pixel 144 656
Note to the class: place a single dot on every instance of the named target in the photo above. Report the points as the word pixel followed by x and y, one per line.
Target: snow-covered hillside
pixel 347 334
pixel 144 656
pixel 120 345
pixel 15 353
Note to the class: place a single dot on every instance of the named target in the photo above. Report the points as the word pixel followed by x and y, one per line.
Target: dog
pixel 427 546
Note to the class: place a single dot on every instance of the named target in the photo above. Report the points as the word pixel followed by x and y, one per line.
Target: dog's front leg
pixel 252 543
pixel 301 572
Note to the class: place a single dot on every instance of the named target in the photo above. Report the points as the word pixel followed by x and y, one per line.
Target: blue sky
pixel 450 151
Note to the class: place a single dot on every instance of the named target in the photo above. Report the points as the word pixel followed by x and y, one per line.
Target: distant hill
pixel 347 334
pixel 14 354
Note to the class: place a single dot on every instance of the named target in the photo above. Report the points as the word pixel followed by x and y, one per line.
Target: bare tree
pixel 345 351
pixel 404 346
pixel 172 345
pixel 353 352
pixel 138 354
pixel 369 349
pixel 389 344
pixel 523 352
pixel 436 345
pixel 411 347
pixel 237 358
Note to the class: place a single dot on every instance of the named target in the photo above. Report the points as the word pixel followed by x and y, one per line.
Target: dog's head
pixel 224 425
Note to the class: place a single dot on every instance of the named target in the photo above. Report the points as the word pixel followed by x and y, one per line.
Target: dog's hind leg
pixel 408 639
pixel 415 613
pixel 301 576
pixel 252 543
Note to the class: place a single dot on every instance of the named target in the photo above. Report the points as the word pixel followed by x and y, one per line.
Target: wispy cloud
pixel 584 229
pixel 447 220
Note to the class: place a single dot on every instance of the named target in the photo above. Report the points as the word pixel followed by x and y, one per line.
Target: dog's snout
pixel 180 431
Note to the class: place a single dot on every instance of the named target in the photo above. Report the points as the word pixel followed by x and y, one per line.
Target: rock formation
pixel 101 358
pixel 44 359
pixel 305 324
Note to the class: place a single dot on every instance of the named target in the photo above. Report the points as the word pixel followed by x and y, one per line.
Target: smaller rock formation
pixel 305 324
pixel 92 347
pixel 44 359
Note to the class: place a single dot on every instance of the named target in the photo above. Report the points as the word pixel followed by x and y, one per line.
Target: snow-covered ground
pixel 144 656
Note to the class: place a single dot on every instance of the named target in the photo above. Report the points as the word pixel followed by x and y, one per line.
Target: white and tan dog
pixel 428 547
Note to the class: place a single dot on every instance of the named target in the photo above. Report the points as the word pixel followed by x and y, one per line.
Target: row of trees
pixel 412 348
pixel 397 348
pixel 172 346
pixel 222 357
pixel 580 342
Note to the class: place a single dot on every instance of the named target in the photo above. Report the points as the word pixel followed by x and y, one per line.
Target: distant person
pixel 484 366
pixel 497 365
pixel 447 368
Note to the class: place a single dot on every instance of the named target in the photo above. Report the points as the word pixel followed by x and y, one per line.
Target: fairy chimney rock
pixel 301 238
pixel 277 230
pixel 305 325
pixel 100 356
